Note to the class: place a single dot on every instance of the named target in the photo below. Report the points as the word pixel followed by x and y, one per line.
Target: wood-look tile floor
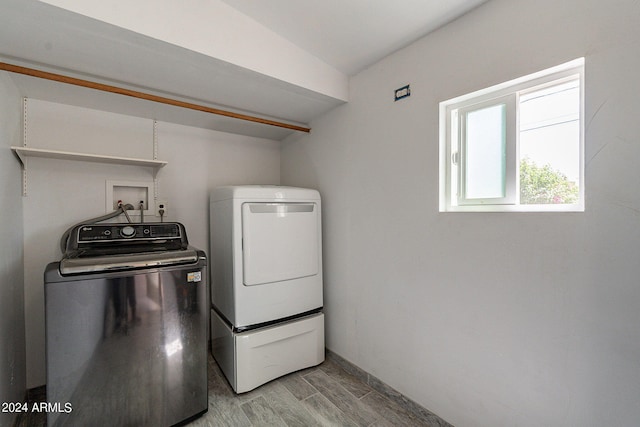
pixel 324 395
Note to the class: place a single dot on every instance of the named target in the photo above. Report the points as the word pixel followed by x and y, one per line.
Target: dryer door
pixel 281 242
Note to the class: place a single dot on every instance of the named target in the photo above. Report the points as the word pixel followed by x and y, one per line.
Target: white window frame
pixel 452 191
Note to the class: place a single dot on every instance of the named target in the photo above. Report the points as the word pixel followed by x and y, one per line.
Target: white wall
pixel 63 192
pixel 12 347
pixel 487 319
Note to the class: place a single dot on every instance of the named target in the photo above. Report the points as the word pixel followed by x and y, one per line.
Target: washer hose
pixel 122 209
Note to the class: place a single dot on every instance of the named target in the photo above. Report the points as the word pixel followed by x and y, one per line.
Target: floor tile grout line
pixel 285 389
pixel 339 385
pixel 276 413
pixel 364 395
pixel 354 377
pixel 251 399
pixel 355 422
pixel 310 396
pixel 244 414
pixel 299 401
pixel 311 385
pixel 294 396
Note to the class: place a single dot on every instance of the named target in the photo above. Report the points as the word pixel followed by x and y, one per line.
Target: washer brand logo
pixel 87 228
pixel 196 276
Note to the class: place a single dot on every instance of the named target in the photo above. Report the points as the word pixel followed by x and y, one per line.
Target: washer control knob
pixel 128 231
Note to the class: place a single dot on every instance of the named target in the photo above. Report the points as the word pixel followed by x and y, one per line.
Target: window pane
pixel 552 105
pixel 485 153
pixel 550 145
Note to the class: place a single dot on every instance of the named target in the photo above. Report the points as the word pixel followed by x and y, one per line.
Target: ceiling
pixel 340 35
pixel 353 34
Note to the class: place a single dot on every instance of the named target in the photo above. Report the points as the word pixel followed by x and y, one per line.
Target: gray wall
pixel 487 319
pixel 12 345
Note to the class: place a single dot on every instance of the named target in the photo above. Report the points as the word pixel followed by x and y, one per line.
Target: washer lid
pixel 126 261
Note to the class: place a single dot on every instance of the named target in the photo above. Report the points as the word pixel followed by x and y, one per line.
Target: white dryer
pixel 266 266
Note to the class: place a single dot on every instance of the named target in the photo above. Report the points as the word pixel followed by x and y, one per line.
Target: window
pixel 517 146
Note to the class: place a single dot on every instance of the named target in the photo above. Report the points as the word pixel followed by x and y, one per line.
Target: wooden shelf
pixel 23 152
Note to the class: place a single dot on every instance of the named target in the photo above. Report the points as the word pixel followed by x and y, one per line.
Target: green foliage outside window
pixel 544 185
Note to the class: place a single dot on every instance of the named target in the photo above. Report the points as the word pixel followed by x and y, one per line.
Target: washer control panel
pixel 94 233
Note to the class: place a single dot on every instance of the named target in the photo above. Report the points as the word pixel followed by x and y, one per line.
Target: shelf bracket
pixel 22 158
pixel 24 178
pixel 155 157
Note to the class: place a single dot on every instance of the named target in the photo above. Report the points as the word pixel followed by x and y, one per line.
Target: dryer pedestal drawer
pixel 250 359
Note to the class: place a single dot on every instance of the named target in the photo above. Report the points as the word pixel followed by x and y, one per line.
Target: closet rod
pixel 141 95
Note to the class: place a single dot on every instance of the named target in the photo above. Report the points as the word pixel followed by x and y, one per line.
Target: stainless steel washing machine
pixel 126 327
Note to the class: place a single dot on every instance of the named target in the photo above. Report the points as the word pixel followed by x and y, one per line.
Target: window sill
pixel 514 208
